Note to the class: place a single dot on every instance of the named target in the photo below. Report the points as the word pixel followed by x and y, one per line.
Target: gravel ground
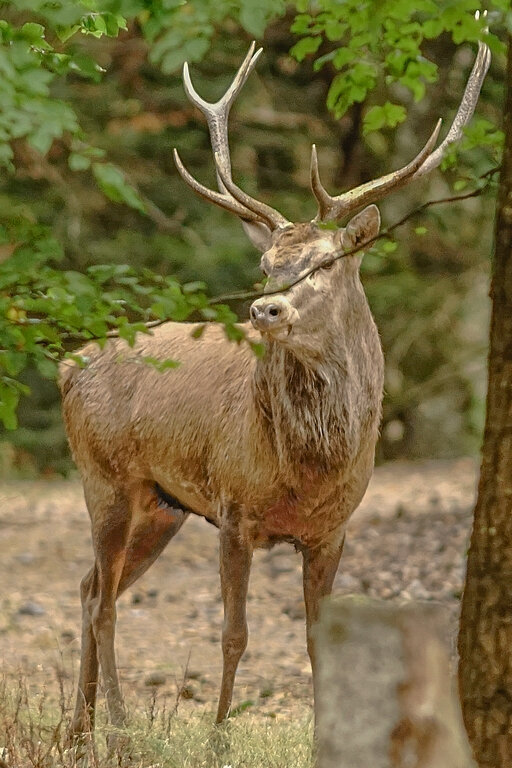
pixel 407 541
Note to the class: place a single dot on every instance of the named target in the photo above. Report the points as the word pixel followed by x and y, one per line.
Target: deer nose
pixel 265 315
pixel 268 313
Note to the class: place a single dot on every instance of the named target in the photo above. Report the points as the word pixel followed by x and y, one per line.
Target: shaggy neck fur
pixel 317 412
pixel 301 409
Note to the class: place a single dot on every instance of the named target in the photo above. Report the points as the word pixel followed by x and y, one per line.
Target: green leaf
pixel 81 360
pixel 160 365
pixel 256 14
pixel 198 332
pixel 9 398
pixel 112 182
pixel 194 287
pixel 33 32
pixel 305 46
pixel 78 162
pixel 388 115
pixel 258 348
pixel 234 332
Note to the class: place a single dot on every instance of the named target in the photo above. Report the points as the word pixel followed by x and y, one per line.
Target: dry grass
pixel 33 734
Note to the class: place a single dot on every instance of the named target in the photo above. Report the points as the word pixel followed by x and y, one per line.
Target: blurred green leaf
pixel 112 182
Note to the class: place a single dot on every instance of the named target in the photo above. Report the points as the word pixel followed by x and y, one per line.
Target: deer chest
pixel 303 520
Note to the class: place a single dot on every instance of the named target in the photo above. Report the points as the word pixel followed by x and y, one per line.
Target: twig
pixel 243 295
pixel 385 234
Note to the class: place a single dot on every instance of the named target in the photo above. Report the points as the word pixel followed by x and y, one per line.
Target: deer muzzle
pixel 273 314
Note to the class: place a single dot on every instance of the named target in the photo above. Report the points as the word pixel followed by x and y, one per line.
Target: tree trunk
pixel 485 640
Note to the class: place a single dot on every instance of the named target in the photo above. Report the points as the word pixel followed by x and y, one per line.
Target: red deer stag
pixel 268 450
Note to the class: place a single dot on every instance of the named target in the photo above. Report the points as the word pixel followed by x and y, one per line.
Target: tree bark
pixel 485 639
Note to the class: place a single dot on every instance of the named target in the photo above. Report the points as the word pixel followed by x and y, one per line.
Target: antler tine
pixel 270 216
pixel 465 111
pixel 217 113
pixel 336 207
pixel 229 196
pixel 330 208
pixel 222 200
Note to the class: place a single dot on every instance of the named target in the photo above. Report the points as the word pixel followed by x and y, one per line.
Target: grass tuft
pixel 34 727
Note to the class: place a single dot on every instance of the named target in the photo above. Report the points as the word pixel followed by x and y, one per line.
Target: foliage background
pixel 87 125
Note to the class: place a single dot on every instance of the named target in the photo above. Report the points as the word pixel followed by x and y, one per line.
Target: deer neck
pixel 310 405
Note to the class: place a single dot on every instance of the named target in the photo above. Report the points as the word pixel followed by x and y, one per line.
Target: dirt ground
pixel 407 541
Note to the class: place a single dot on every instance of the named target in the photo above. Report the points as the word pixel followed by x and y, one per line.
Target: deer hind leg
pixel 235 565
pixel 111 515
pixel 83 718
pixel 319 569
pixel 128 537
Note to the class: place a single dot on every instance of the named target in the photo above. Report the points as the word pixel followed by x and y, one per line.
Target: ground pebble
pixel 31 609
pixel 188 691
pixel 25 558
pixel 155 678
pixel 346 581
pixel 417 590
pixel 296 610
pixel 193 674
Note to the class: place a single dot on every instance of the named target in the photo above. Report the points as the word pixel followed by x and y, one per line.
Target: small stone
pixel 193 674
pixel 155 678
pixel 25 558
pixel 295 611
pixel 31 609
pixel 152 592
pixel 137 598
pixel 281 566
pixel 188 691
pixel 416 590
pixel 67 636
pixel 349 582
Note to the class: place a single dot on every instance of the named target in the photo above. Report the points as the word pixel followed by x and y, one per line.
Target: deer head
pixel 307 281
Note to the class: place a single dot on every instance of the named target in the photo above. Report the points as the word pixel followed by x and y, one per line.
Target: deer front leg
pixel 235 565
pixel 319 569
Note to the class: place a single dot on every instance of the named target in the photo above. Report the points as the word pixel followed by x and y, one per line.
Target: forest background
pixel 97 230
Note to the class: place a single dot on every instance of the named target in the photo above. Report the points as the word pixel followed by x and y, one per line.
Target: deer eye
pixel 328 264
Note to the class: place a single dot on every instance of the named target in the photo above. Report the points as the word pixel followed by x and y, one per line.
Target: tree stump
pixel 386 695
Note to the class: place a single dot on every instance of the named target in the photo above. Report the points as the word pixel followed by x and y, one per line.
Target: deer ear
pixel 259 234
pixel 361 228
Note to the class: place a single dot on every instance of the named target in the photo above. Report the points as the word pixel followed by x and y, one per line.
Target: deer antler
pixel 269 215
pixel 330 208
pixel 229 196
